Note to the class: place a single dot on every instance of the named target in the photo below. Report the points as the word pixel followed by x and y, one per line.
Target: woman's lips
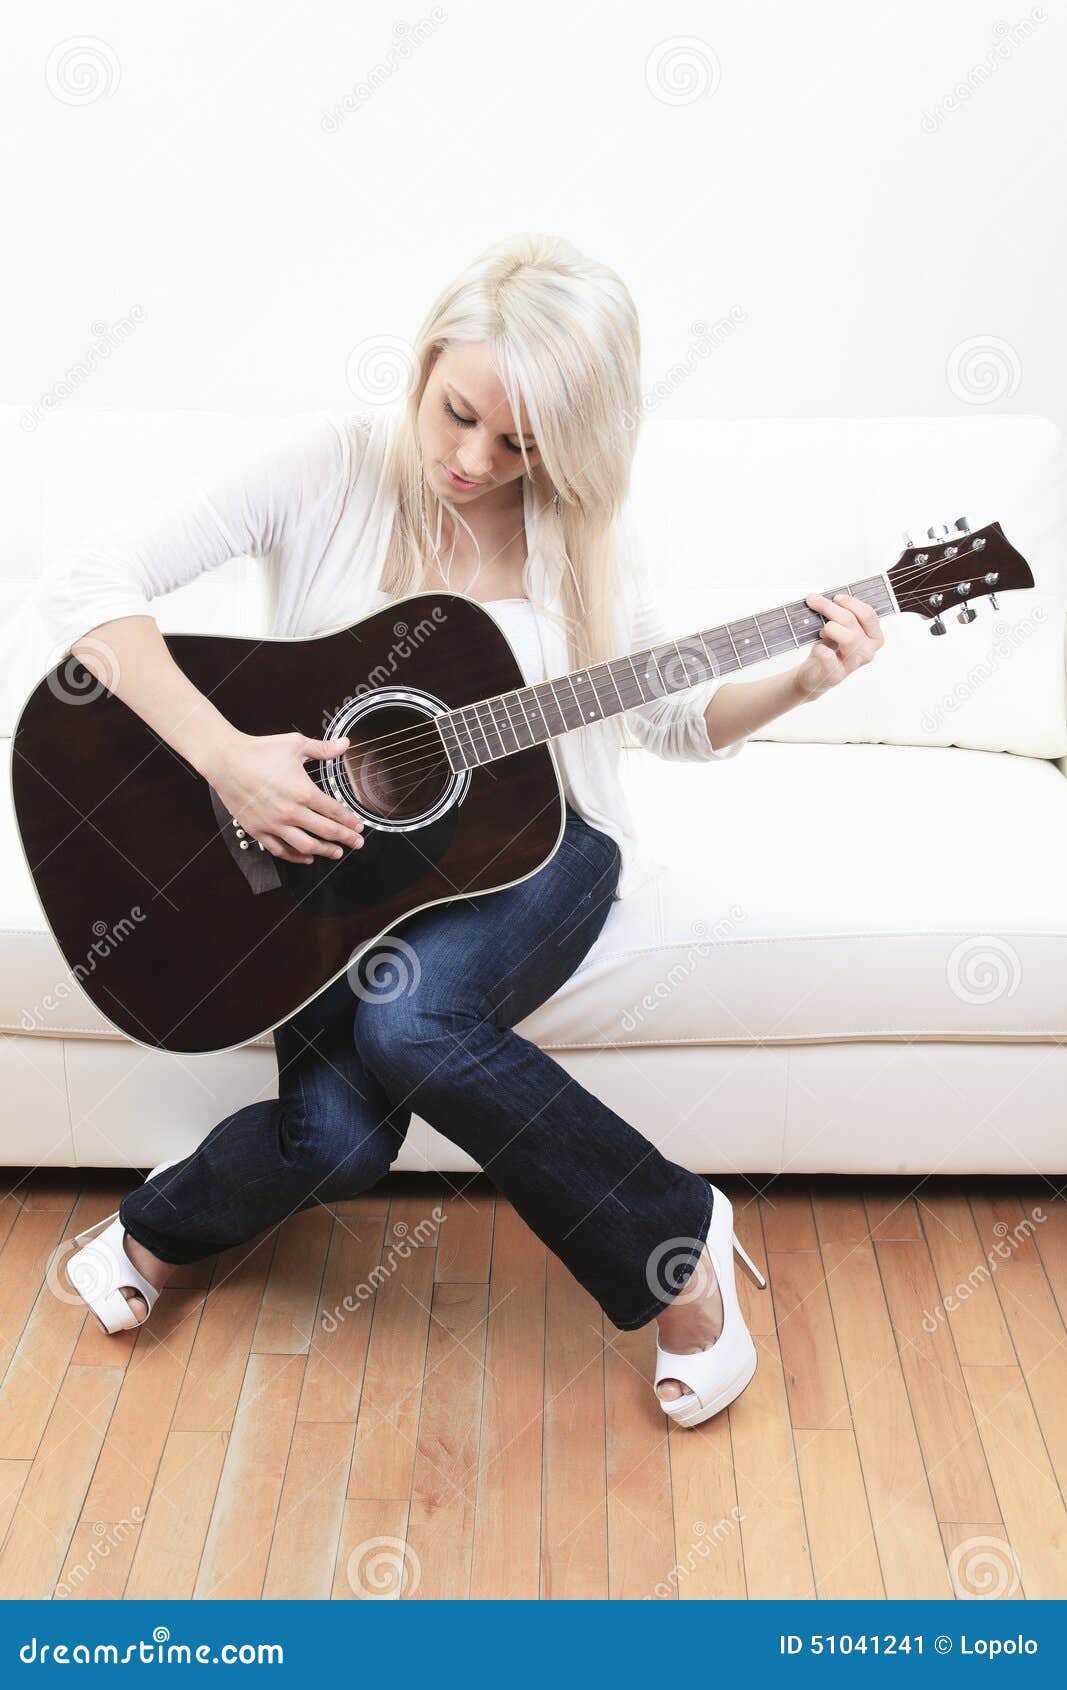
pixel 458 480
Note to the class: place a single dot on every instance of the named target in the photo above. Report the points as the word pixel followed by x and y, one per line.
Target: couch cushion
pixel 736 516
pixel 815 892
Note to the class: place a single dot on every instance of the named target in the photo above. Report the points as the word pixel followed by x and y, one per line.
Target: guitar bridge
pixel 257 866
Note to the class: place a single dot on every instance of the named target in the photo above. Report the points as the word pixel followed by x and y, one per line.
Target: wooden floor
pixel 377 1402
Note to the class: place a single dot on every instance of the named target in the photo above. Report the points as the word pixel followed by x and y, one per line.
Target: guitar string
pixel 421 735
pixel 427 736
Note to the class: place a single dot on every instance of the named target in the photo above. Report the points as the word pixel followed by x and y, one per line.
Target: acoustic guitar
pixel 187 936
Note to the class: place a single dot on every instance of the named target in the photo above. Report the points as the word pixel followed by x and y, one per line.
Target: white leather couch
pixel 854 957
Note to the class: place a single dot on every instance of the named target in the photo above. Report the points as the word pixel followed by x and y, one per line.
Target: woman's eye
pixel 467 422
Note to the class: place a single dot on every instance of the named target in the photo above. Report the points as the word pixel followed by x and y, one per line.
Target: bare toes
pixel 669 1390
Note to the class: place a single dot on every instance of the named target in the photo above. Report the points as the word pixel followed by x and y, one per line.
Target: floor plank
pixel 405 1396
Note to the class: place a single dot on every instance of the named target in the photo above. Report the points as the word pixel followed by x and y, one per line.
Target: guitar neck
pixel 512 721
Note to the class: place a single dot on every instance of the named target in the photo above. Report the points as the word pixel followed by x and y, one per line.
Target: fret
pixel 536 713
pixel 589 701
pixel 488 728
pixel 604 705
pixel 633 678
pixel 474 728
pixel 519 713
pixel 501 722
pixel 550 705
pixel 611 667
pixel 711 656
pixel 562 680
pixel 446 727
pixel 805 616
pixel 470 756
pixel 579 708
pixel 489 705
pixel 748 653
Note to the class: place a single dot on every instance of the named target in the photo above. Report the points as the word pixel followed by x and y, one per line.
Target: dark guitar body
pixel 182 942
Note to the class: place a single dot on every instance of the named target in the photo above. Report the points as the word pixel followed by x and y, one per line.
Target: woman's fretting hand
pixel 263 783
pixel 847 641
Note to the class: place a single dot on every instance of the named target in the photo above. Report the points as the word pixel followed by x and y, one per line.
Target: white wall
pixel 216 207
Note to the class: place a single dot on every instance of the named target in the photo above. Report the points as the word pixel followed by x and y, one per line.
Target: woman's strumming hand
pixel 263 783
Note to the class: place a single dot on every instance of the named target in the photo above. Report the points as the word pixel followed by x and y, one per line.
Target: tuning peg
pixel 940 532
pixel 937 626
pixel 962 525
pixel 967 614
pixel 908 541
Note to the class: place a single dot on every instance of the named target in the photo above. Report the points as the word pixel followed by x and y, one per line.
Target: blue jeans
pixel 426 1025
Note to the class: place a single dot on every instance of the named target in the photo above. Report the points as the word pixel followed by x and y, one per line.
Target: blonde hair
pixel 564 332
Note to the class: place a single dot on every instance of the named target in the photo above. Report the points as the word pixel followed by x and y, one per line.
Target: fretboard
pixel 512 721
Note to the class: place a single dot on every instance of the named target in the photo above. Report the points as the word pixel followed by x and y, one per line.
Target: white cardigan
pixel 312 501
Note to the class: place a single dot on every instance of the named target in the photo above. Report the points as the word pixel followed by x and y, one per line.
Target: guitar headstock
pixel 954 566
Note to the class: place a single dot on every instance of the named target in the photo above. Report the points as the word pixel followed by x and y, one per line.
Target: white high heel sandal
pixel 101 1268
pixel 717 1375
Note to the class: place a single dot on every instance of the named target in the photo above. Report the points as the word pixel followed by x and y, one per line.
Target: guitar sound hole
pixel 396 763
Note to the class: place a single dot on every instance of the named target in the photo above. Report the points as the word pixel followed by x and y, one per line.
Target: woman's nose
pixel 475 466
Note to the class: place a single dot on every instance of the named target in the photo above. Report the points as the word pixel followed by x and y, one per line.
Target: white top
pixel 314 501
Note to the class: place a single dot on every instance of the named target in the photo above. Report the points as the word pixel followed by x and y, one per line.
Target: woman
pixel 502 475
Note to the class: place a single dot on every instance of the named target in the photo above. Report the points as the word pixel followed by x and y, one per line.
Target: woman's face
pixel 466 428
